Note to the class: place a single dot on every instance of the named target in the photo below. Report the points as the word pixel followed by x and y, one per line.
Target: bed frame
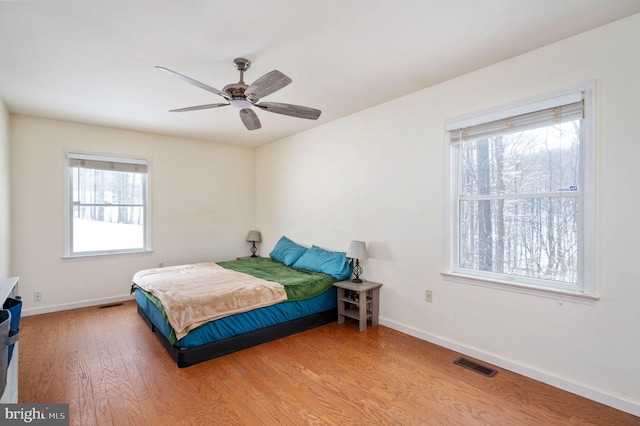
pixel 185 357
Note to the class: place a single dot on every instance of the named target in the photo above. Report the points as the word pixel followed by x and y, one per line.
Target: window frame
pixel 68 203
pixel 586 292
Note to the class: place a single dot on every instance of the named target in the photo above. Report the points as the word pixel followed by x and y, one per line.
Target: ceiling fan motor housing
pixel 236 94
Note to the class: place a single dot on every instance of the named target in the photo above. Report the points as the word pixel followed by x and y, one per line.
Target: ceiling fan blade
pixel 250 119
pixel 195 108
pixel 292 110
pixel 267 84
pixel 194 82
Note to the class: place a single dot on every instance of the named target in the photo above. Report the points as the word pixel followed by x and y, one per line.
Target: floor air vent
pixel 472 365
pixel 110 306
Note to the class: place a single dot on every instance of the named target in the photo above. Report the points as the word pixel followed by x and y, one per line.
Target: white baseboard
pixel 76 305
pixel 628 406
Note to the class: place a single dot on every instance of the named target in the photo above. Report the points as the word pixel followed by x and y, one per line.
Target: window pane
pixel 535 238
pixel 105 228
pixel 92 186
pixel 541 160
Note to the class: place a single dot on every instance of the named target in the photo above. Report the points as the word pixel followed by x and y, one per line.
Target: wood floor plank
pixel 111 369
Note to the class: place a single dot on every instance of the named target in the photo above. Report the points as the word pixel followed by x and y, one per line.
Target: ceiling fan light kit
pixel 240 103
pixel 245 97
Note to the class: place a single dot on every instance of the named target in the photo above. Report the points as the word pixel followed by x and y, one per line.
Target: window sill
pixel 96 256
pixel 559 295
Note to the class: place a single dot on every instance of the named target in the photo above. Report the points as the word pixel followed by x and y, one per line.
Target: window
pixel 107 204
pixel 522 192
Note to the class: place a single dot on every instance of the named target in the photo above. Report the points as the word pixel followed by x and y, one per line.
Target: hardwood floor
pixel 111 369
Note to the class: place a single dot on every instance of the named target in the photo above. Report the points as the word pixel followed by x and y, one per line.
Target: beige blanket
pixel 198 293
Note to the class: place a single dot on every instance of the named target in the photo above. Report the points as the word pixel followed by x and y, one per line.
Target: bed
pixel 241 303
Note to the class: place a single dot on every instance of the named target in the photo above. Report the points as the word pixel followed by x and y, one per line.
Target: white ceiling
pixel 94 61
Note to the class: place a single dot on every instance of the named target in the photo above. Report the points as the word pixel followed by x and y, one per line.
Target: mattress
pixel 308 293
pixel 237 324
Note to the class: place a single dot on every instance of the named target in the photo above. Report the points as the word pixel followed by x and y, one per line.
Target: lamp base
pixel 357 270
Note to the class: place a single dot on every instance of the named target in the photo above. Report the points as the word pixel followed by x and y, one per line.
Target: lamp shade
pixel 254 236
pixel 357 250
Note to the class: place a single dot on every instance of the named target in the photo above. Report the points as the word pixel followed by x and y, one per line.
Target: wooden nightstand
pixel 360 301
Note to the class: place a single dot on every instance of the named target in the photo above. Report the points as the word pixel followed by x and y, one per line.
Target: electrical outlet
pixel 428 296
pixel 161 265
pixel 37 296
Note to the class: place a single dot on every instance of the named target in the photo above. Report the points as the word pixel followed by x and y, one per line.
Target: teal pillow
pixel 286 251
pixel 334 263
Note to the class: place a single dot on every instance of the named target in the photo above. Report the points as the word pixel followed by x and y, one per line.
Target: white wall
pixel 4 191
pixel 202 200
pixel 379 176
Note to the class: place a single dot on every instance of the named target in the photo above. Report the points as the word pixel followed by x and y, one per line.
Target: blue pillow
pixel 334 263
pixel 286 251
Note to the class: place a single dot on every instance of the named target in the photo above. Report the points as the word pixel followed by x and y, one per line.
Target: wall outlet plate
pixel 428 296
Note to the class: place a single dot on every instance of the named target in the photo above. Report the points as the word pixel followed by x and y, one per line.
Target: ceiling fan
pixel 246 97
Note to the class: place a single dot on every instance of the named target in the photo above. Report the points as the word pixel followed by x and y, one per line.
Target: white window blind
pixel 526 121
pixel 116 166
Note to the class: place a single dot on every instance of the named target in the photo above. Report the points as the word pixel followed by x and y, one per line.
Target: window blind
pixel 84 161
pixel 531 120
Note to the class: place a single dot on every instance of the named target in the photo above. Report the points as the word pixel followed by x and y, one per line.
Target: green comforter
pixel 298 284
